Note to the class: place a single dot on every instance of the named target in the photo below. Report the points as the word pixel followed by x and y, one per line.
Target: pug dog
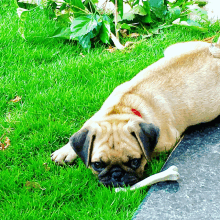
pixel 148 114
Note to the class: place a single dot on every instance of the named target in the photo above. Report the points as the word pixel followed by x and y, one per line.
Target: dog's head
pixel 117 151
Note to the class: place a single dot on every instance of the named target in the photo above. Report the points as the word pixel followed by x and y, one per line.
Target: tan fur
pixel 179 90
pixel 173 93
pixel 113 143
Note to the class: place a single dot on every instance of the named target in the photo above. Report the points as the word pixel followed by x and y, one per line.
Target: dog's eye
pixel 133 134
pixel 98 166
pixel 134 163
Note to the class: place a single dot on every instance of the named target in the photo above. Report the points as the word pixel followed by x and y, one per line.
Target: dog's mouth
pixel 115 183
pixel 117 177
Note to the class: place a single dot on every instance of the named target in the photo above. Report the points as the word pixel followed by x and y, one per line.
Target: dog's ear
pixel 147 137
pixel 82 142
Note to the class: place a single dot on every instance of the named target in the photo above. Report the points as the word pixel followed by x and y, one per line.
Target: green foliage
pixel 75 20
pixel 85 22
pixel 159 8
pixel 56 84
pixel 119 6
pixel 85 28
pixel 77 7
pixel 180 9
pixel 105 30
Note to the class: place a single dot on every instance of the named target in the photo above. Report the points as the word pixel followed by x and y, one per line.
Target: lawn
pixel 61 86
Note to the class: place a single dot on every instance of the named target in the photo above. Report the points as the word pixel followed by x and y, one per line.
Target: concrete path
pixel 196 195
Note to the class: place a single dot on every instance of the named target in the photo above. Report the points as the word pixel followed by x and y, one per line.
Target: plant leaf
pixel 63 33
pixel 200 13
pixel 28 1
pixel 125 26
pixel 120 7
pixel 140 10
pixel 158 7
pixel 7 142
pixel 16 99
pixel 174 13
pixel 147 18
pixel 105 32
pixel 63 20
pixel 128 16
pixel 196 25
pixel 190 23
pixel 77 3
pixel 2 146
pixel 85 40
pixel 90 5
pixel 34 2
pixel 25 3
pixel 94 1
pixel 84 28
pixel 83 25
pixel 77 7
pixel 133 2
pixel 33 185
pixel 40 3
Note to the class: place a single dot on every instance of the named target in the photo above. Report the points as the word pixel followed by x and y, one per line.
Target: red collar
pixel 136 112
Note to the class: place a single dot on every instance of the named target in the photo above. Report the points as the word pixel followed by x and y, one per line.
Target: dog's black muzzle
pixel 116 177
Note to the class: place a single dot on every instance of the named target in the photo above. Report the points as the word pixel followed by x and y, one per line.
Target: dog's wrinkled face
pixel 116 151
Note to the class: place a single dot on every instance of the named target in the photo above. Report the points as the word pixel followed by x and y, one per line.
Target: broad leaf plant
pixel 84 21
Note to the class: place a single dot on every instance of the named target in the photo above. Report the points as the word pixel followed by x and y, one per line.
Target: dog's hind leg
pixel 65 154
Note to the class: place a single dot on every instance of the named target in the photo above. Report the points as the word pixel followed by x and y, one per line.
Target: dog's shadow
pixel 168 186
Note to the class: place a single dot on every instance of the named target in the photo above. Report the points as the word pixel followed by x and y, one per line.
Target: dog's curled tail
pixel 215 49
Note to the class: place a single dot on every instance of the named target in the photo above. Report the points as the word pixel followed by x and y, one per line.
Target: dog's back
pixel 179 90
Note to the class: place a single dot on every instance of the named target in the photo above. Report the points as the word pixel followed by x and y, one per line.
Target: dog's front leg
pixel 65 154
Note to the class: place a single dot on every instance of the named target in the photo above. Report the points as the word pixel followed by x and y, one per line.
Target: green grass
pixel 60 90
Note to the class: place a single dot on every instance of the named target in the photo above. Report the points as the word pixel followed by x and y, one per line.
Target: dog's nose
pixel 117 175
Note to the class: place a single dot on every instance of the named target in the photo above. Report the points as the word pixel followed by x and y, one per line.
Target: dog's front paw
pixel 64 155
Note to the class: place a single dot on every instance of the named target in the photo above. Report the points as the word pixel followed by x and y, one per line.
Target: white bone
pixel 171 174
